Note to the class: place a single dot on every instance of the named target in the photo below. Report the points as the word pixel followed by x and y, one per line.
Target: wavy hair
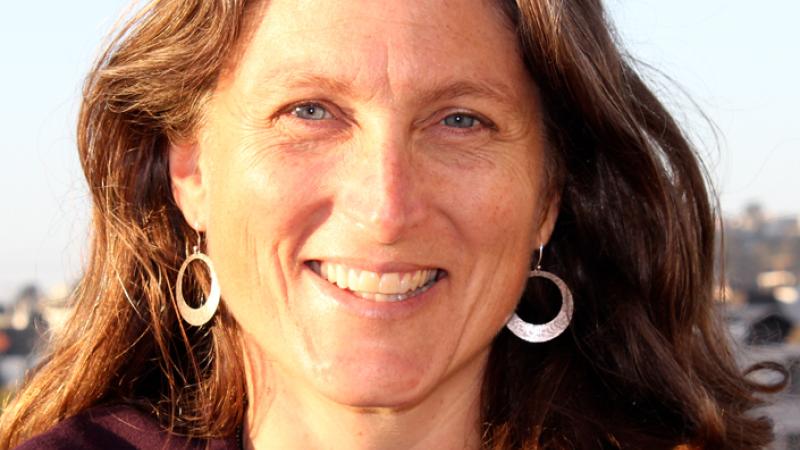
pixel 645 364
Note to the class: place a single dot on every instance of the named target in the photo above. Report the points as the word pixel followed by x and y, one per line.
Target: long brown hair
pixel 645 363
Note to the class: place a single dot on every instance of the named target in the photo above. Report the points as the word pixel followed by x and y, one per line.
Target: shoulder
pixel 119 427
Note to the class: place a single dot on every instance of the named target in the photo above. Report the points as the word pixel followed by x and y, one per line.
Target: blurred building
pixel 761 257
pixel 25 324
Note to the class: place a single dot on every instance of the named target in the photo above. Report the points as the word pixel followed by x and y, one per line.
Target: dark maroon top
pixel 119 428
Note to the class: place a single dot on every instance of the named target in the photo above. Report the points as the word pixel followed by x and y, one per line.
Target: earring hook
pixel 196 247
pixel 539 261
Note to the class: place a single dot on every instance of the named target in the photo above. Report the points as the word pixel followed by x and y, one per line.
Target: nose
pixel 382 193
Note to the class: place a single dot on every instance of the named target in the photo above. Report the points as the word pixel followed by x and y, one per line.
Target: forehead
pixel 381 46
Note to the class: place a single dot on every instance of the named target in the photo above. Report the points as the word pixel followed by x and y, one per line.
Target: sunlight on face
pixel 374 177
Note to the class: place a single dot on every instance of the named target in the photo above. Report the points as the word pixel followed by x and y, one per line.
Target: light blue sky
pixel 739 61
pixel 736 59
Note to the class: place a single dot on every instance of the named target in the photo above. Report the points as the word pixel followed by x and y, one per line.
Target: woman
pixel 375 188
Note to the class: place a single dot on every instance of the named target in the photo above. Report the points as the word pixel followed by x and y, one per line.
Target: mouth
pixel 377 286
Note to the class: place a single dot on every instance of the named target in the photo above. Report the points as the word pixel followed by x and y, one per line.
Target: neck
pixel 286 415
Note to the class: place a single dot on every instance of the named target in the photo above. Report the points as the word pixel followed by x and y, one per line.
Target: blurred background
pixel 727 68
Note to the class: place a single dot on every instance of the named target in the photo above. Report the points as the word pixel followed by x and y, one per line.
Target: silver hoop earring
pixel 201 315
pixel 544 332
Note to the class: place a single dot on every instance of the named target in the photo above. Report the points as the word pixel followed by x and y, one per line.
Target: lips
pixel 377 286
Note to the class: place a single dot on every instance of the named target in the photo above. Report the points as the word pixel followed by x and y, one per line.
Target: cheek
pixel 261 210
pixel 495 212
pixel 499 208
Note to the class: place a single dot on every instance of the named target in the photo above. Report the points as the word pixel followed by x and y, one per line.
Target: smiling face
pixel 370 177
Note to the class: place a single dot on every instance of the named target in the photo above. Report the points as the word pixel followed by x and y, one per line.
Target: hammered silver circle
pixel 201 315
pixel 544 332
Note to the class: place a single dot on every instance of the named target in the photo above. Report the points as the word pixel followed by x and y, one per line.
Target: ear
pixel 188 187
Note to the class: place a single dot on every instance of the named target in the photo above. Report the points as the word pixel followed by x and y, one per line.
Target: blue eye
pixel 311 111
pixel 460 120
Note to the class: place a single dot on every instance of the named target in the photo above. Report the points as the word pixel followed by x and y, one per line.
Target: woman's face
pixel 371 181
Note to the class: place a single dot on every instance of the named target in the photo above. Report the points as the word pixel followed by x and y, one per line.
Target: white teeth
pixel 352 278
pixel 416 278
pixel 405 282
pixel 392 297
pixel 368 281
pixel 376 286
pixel 390 284
pixel 330 274
pixel 341 277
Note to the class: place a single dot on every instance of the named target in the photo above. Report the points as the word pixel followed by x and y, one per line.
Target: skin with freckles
pixel 382 136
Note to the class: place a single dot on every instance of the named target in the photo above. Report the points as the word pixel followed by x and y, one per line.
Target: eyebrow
pixel 469 88
pixel 440 91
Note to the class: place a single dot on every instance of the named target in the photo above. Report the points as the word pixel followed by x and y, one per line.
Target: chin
pixel 376 381
pixel 373 396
